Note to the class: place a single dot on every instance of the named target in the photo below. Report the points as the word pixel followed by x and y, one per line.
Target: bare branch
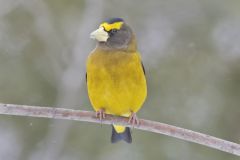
pixel 147 125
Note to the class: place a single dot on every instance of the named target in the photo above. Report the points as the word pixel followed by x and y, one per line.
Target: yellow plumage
pixel 115 75
pixel 116 82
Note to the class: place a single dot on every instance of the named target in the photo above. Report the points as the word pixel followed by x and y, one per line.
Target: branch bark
pixel 147 125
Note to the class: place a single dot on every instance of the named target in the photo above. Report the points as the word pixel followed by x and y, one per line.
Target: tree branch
pixel 147 125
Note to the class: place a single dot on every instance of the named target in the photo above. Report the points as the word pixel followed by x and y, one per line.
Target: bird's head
pixel 113 33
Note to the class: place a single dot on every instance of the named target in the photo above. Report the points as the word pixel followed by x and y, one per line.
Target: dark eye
pixel 114 30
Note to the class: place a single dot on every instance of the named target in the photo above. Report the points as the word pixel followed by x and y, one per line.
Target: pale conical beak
pixel 100 34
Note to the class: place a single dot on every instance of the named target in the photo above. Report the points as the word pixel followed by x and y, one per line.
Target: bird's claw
pixel 101 114
pixel 133 120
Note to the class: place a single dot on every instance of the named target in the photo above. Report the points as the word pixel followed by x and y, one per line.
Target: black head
pixel 113 20
pixel 113 33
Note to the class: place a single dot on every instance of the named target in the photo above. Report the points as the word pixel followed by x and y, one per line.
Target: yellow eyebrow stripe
pixel 108 27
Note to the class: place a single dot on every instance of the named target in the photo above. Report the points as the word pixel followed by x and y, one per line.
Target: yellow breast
pixel 116 82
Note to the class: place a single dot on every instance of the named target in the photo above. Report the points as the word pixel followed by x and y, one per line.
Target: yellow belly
pixel 116 82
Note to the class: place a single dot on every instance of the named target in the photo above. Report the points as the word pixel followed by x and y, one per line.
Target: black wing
pixel 143 68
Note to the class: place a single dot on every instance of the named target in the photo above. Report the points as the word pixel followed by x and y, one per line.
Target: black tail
pixel 126 135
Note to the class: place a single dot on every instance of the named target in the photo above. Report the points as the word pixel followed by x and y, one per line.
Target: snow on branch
pixel 147 125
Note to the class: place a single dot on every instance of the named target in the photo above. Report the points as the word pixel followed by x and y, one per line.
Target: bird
pixel 115 75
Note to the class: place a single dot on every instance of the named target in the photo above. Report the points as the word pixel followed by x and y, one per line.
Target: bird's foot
pixel 133 119
pixel 101 114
